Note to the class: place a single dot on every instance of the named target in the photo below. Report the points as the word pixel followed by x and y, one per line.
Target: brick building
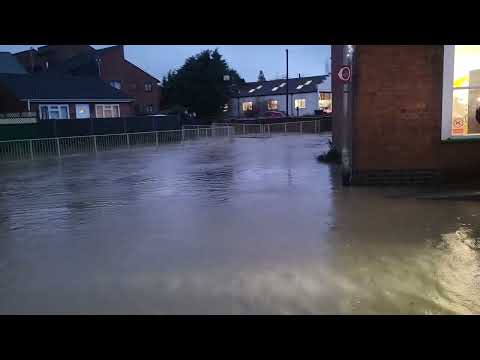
pixel 409 114
pixel 108 64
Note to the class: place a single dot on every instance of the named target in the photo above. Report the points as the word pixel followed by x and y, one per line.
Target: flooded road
pixel 226 226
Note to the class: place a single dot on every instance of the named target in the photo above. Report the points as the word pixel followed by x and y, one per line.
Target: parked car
pixel 275 114
pixel 322 112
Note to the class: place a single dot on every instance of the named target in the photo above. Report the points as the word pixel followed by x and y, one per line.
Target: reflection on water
pixel 242 226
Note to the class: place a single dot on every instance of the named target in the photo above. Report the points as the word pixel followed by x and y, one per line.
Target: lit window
pixel 107 111
pixel 461 91
pixel 282 84
pixel 299 87
pixel 325 102
pixel 246 106
pixel 54 112
pixel 148 87
pixel 116 84
pixel 272 104
pixel 225 108
pixel 308 82
pixel 259 87
pixel 252 90
pixel 82 111
pixel 300 103
pixel 275 88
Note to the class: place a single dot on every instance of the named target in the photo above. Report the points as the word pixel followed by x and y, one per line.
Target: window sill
pixel 462 139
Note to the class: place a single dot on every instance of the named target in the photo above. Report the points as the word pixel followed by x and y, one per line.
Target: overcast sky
pixel 248 60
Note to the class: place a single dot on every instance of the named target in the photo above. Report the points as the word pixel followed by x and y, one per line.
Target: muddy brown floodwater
pixel 226 226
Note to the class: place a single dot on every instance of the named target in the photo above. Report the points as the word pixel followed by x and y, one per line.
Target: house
pixel 412 113
pixel 306 95
pixel 31 60
pixel 108 64
pixel 55 96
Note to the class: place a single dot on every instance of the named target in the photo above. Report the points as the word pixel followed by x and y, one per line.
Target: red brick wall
pixel 115 67
pixel 9 103
pixel 31 61
pixel 56 54
pixel 398 112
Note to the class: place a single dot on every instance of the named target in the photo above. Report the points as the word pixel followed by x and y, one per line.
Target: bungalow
pixel 306 96
pixel 55 96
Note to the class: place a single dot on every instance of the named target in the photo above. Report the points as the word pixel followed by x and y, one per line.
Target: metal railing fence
pixel 32 149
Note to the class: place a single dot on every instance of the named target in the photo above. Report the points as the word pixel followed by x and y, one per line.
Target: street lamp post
pixel 286 86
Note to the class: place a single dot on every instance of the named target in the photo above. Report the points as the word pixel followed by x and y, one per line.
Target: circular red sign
pixel 458 123
pixel 345 73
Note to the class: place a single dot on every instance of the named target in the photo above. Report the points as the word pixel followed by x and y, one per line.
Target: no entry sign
pixel 345 73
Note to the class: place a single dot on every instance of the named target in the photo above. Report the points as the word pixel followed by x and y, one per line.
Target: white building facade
pixel 306 97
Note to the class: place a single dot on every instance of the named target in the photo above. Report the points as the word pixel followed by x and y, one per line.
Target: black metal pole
pixel 286 86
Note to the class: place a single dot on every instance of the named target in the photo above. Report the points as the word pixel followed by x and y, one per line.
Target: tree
pixel 199 83
pixel 261 77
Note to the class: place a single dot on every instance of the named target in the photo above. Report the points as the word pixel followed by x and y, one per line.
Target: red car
pixel 275 114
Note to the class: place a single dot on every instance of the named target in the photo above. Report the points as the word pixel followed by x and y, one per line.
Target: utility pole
pixel 286 86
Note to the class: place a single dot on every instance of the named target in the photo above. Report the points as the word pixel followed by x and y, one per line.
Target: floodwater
pixel 227 226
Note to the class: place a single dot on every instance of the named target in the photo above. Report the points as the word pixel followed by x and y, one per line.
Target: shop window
pixel 461 91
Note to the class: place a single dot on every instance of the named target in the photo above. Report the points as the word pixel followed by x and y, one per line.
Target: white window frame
pixel 148 87
pixel 247 106
pixel 447 95
pixel 302 100
pixel 78 107
pixel 103 107
pixel 117 82
pixel 447 91
pixel 53 107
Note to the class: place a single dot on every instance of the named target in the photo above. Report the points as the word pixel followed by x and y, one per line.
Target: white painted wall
pixel 311 103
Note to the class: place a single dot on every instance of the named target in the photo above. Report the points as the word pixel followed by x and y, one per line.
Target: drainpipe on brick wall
pixel 349 59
